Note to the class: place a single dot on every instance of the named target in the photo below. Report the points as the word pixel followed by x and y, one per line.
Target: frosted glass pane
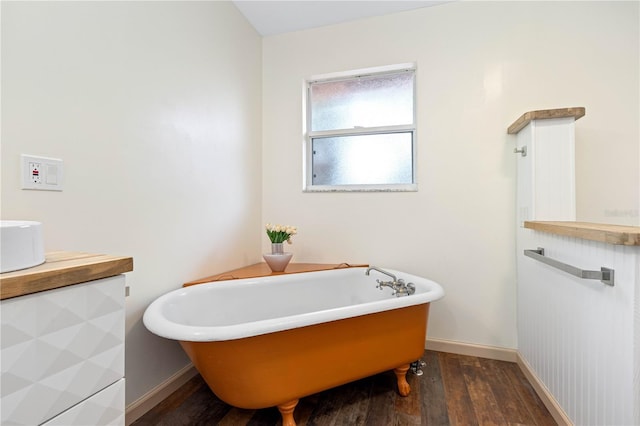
pixel 384 100
pixel 361 160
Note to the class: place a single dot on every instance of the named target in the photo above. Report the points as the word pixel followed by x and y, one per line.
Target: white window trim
pixel 307 169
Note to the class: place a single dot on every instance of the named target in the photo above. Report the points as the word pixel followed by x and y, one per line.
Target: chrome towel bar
pixel 604 274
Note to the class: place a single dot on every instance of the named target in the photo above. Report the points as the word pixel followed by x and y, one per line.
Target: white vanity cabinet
pixel 62 353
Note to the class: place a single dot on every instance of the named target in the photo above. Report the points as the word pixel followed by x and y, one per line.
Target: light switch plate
pixel 41 173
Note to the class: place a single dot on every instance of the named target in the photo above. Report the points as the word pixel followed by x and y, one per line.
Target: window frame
pixel 309 135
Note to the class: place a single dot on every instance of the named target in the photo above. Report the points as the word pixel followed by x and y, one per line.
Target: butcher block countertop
pixel 610 234
pixel 263 270
pixel 61 269
pixel 543 114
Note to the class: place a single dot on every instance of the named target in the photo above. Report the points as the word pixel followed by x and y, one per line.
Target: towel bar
pixel 604 274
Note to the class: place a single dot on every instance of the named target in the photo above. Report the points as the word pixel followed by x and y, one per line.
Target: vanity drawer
pixel 104 408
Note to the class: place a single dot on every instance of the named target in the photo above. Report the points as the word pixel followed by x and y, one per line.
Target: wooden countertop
pixel 263 270
pixel 610 234
pixel 525 118
pixel 62 269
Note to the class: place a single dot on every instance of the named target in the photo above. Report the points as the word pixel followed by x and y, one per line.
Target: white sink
pixel 21 245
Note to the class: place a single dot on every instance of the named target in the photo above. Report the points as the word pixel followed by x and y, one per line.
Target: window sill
pixel 362 188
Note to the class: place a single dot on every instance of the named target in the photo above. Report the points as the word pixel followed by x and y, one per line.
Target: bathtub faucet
pixel 398 286
pixel 381 271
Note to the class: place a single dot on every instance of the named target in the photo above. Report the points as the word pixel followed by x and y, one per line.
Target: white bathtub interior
pixel 247 307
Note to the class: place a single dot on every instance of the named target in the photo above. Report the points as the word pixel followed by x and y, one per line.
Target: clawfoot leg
pixel 286 410
pixel 401 374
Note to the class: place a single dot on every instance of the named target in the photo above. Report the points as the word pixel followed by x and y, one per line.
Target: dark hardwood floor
pixel 454 390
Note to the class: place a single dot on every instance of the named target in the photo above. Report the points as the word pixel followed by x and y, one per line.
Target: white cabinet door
pixel 102 409
pixel 59 347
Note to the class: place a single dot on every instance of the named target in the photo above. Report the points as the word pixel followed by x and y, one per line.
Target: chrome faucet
pixel 398 286
pixel 381 271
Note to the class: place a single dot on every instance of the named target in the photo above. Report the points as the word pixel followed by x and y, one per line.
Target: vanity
pixel 62 345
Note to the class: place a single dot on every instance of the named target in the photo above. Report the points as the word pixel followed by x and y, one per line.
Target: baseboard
pixel 547 398
pixel 155 396
pixel 471 349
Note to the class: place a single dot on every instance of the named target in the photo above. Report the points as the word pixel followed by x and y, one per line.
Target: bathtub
pixel 268 341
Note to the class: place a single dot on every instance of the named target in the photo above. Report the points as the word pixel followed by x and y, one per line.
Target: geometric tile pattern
pixel 59 347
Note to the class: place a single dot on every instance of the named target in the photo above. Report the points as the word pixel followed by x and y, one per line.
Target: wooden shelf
pixel 262 270
pixel 525 118
pixel 610 234
pixel 62 269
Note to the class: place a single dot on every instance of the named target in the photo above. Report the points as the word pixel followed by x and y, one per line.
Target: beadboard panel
pixel 578 335
pixel 554 174
pixel 546 174
pixel 636 344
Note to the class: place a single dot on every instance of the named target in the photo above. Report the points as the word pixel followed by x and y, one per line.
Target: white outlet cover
pixel 50 173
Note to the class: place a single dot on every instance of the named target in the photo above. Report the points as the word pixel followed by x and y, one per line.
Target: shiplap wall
pixel 581 336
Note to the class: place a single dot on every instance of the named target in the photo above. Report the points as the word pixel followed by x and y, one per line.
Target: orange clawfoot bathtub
pixel 295 356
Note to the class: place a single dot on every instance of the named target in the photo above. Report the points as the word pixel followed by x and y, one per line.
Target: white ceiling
pixel 271 17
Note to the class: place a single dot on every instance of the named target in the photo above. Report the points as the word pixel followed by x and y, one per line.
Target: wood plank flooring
pixel 454 390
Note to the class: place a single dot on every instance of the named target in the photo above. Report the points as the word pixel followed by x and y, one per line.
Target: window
pixel 361 133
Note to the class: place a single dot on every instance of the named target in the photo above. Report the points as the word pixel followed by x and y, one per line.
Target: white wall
pixel 480 66
pixel 155 109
